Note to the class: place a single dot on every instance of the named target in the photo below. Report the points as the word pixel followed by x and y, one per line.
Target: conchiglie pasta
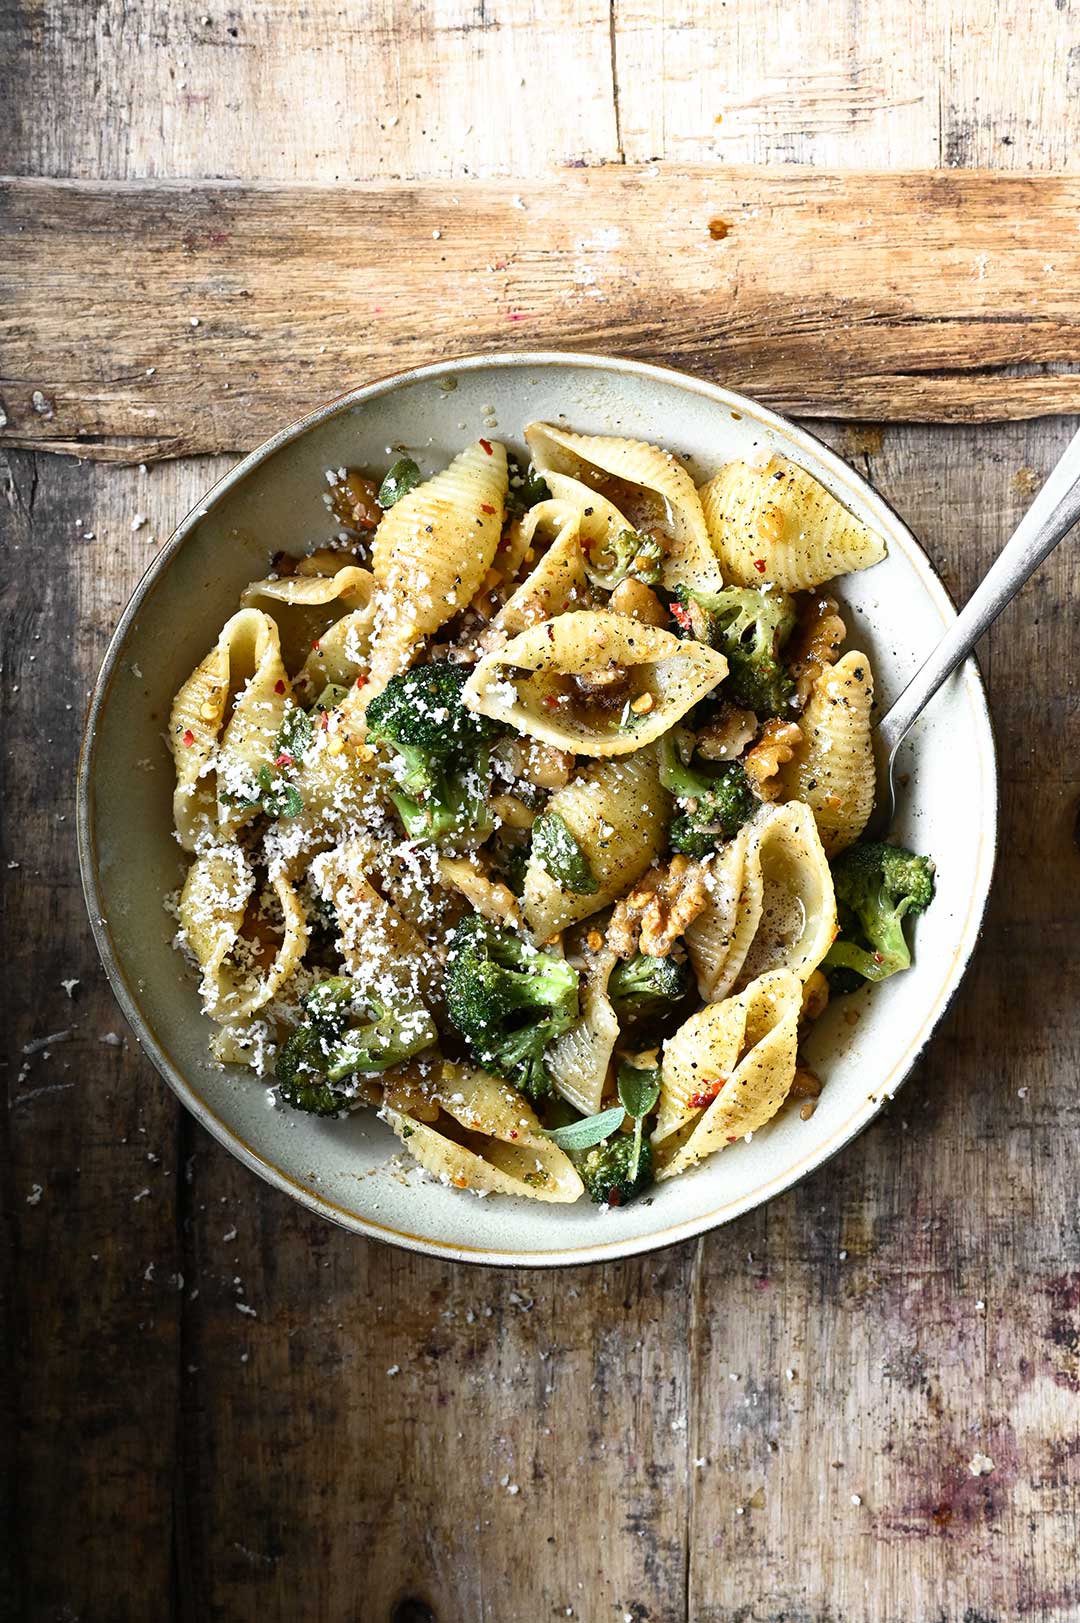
pixel 306 606
pixel 784 912
pixel 488 1139
pixel 556 681
pixel 797 919
pixel 431 553
pixel 217 761
pixel 727 1071
pixel 557 580
pixel 239 974
pixel 381 951
pixel 778 524
pixel 719 938
pixel 650 485
pixel 617 812
pixel 833 768
pixel 579 1060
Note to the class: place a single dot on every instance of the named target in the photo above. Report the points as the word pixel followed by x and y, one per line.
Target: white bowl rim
pixel 610 1250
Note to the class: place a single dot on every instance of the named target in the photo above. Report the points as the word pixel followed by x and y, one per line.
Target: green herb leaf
pixel 295 734
pixel 330 697
pixel 282 799
pixel 524 490
pixel 639 1089
pixel 402 477
pixel 590 1130
pixel 556 849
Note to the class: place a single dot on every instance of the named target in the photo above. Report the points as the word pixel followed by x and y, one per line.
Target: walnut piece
pixel 725 738
pixel 659 909
pixel 778 742
pixel 815 642
pixel 542 765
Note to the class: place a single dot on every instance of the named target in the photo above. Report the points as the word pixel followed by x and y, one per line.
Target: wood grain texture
pixel 294 1477
pixel 157 1441
pixel 328 93
pixel 216 314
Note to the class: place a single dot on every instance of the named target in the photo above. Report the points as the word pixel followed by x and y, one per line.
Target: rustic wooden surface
pixel 774 1424
pixel 896 297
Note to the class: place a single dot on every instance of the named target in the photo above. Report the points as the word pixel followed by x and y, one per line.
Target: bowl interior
pixel 351 1170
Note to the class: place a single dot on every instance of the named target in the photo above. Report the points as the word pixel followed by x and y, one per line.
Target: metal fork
pixel 1047 521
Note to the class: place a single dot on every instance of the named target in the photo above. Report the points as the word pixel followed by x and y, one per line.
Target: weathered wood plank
pixel 941 84
pixel 328 93
pixel 315 1485
pixel 315 92
pixel 495 1445
pixel 92 1309
pixel 923 1291
pixel 160 320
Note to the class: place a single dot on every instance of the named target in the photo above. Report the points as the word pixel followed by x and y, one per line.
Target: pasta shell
pixel 579 1060
pixel 243 678
pixel 558 578
pixel 306 606
pixel 213 903
pixel 526 683
pixel 431 553
pixel 797 918
pixel 784 912
pixel 381 951
pixel 339 790
pixel 719 938
pixel 618 813
pixel 778 524
pixel 497 1146
pixel 833 768
pixel 727 1071
pixel 650 486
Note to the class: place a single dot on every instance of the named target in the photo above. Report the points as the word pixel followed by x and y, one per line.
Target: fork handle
pixel 1047 521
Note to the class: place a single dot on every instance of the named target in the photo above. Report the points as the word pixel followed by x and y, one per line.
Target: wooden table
pixel 860 1404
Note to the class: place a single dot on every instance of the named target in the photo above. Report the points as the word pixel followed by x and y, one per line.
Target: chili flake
pixel 279 686
pixel 361 680
pixel 189 738
pixel 681 617
pixel 486 445
pixel 484 508
pixel 759 565
pixel 706 1095
pixel 284 759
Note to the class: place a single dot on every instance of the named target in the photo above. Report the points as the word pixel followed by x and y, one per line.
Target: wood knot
pixel 412 1610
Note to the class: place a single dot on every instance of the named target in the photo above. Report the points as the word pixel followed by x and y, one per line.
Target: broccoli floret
pixel 609 1173
pixel 646 986
pixel 877 886
pixel 325 1050
pixel 509 1001
pixel 630 552
pixel 441 749
pixel 750 627
pixel 715 805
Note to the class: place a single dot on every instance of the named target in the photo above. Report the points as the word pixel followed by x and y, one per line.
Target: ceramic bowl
pixel 351 1171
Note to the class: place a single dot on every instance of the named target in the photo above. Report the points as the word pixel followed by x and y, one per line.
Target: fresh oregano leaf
pixel 525 489
pixel 639 1089
pixel 401 478
pixel 556 849
pixel 590 1130
pixel 295 734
